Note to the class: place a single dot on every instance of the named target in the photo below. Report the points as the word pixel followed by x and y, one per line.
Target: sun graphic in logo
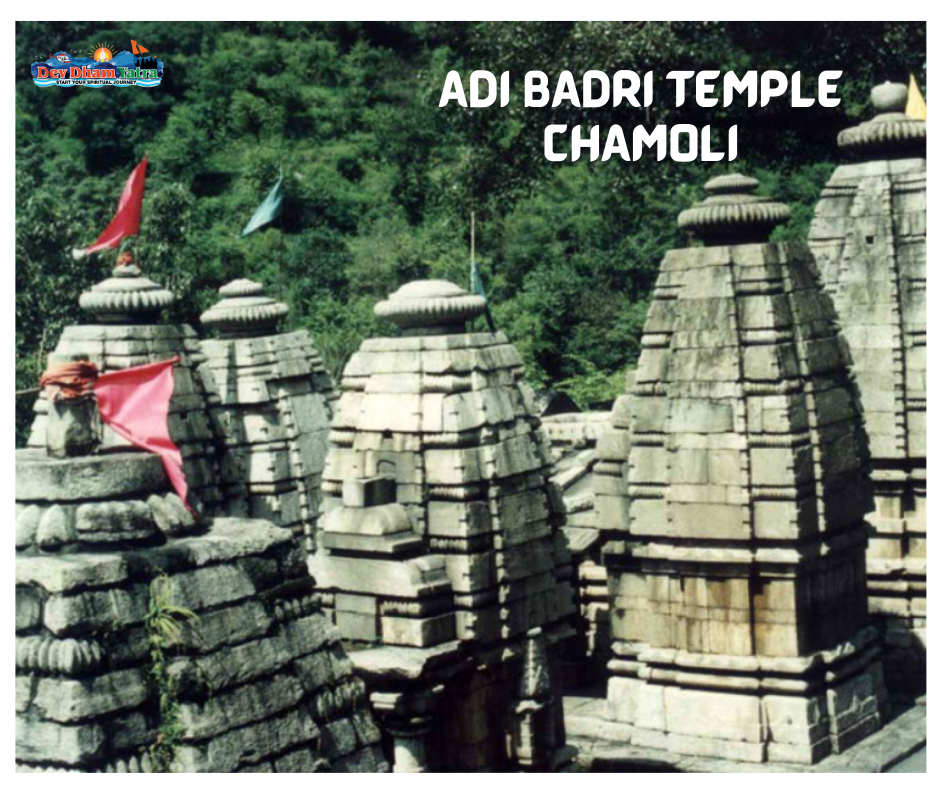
pixel 101 52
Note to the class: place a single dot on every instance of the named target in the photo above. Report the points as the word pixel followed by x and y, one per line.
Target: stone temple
pixel 739 614
pixel 128 333
pixel 276 403
pixel 440 549
pixel 408 571
pixel 869 236
pixel 106 554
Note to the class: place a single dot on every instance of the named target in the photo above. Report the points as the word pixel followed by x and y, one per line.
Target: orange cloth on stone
pixel 71 380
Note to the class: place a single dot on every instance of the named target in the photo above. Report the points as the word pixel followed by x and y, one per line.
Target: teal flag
pixel 476 286
pixel 269 209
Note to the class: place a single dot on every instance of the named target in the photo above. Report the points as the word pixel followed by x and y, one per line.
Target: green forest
pixel 380 182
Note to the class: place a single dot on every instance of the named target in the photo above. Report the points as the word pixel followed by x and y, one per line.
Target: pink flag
pixel 127 219
pixel 135 403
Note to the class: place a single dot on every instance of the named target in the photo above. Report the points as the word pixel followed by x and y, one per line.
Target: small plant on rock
pixel 164 624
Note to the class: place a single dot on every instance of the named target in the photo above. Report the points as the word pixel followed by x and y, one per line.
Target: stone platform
pixel 899 746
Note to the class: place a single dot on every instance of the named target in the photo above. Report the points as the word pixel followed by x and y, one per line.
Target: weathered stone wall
pixel 869 236
pixel 573 438
pixel 129 334
pixel 739 568
pixel 275 400
pixel 440 544
pixel 260 681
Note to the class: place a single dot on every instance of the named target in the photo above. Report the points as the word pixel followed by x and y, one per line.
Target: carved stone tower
pixel 869 236
pixel 440 546
pixel 739 616
pixel 149 641
pixel 276 403
pixel 128 332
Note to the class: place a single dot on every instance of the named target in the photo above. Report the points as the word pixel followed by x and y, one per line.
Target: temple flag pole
pixel 476 283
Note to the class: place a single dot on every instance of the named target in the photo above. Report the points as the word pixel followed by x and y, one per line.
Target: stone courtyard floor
pixel 914 763
pixel 898 747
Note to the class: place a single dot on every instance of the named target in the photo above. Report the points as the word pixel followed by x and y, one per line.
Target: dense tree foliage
pixel 380 182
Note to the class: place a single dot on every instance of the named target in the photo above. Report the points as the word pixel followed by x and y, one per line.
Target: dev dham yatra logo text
pixel 102 67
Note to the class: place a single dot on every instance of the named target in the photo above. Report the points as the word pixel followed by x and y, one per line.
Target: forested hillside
pixel 380 182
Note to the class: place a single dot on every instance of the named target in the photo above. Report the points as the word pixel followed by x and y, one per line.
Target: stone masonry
pixel 611 508
pixel 109 562
pixel 573 438
pixel 440 549
pixel 404 575
pixel 127 333
pixel 869 236
pixel 276 404
pixel 260 680
pixel 739 614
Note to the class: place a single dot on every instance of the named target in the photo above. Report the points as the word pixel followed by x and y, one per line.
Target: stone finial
pixel 244 310
pixel 431 306
pixel 890 131
pixel 732 213
pixel 127 296
pixel 889 97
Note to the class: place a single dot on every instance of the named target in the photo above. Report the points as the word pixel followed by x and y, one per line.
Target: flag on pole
pixel 135 403
pixel 476 282
pixel 916 108
pixel 476 286
pixel 269 209
pixel 126 221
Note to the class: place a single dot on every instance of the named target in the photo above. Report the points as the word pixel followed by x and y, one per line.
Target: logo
pixel 100 68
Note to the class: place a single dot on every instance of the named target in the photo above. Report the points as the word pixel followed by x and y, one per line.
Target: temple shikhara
pixel 869 237
pixel 423 565
pixel 440 543
pixel 275 400
pixel 258 680
pixel 739 571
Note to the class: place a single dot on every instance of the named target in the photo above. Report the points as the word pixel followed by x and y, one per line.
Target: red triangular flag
pixel 127 219
pixel 135 403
